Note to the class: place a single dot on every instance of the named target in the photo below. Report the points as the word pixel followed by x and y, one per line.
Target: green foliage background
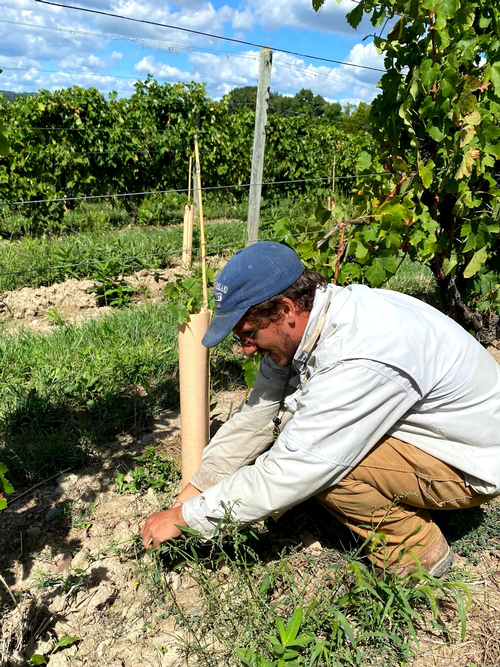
pixel 76 143
pixel 436 128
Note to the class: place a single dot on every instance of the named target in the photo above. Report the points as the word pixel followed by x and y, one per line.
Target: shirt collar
pixel 301 357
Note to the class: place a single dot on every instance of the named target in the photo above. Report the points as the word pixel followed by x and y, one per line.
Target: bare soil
pixel 74 301
pixel 79 577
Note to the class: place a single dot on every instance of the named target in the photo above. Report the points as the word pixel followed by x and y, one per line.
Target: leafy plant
pixel 250 367
pixel 186 297
pixel 285 648
pixel 54 317
pixel 111 289
pixel 157 471
pixel 355 614
pixel 65 640
pixel 436 128
pixel 5 486
pixel 4 144
pixel 148 140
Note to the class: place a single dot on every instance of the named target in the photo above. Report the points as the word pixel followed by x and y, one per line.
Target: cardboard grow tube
pixel 194 390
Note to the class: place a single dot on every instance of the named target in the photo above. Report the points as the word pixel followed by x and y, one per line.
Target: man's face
pixel 273 340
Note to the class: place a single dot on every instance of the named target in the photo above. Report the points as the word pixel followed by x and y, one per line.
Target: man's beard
pixel 286 353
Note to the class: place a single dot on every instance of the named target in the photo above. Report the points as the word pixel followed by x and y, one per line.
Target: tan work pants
pixel 364 500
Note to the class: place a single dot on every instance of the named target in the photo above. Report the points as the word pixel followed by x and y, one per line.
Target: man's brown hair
pixel 301 292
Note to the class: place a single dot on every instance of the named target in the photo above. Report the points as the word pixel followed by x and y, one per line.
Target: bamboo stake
pixel 333 186
pixel 202 226
pixel 187 231
pixel 331 198
pixel 187 236
pixel 342 229
pixel 189 177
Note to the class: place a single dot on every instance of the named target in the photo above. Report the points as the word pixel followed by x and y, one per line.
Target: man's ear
pixel 289 310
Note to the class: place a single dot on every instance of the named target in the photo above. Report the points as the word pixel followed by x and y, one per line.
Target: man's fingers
pixel 146 535
pixel 161 526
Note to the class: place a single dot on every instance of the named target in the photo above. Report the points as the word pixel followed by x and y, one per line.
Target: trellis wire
pixel 206 34
pixel 180 190
pixel 125 258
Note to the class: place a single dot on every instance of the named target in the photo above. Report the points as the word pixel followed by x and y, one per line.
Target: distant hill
pixel 10 96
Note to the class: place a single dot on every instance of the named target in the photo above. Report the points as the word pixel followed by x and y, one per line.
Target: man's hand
pixel 161 526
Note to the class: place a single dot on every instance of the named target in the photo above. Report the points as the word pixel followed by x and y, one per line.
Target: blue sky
pixel 108 53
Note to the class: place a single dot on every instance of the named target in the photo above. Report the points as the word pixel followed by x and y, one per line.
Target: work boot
pixel 436 561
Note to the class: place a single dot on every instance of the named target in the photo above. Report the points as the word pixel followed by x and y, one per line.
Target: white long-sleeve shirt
pixel 385 363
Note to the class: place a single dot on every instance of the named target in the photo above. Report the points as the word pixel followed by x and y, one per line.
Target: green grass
pixel 65 394
pixel 97 232
pixel 417 280
pixel 148 247
pixel 108 214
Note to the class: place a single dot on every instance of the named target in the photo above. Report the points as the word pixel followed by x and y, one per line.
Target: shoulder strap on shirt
pixel 310 343
pixel 313 338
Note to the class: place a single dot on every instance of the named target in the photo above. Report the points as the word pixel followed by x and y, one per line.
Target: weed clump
pixel 297 608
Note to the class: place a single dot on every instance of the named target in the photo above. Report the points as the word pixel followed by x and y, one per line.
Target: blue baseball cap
pixel 253 275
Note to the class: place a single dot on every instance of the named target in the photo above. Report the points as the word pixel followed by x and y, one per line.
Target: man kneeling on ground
pixel 378 398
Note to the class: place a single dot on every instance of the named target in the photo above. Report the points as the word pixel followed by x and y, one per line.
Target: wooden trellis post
pixel 259 142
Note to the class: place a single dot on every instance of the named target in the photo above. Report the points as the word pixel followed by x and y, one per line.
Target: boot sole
pixel 443 564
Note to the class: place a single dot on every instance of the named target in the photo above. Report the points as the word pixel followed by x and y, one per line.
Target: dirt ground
pixel 73 301
pixel 81 578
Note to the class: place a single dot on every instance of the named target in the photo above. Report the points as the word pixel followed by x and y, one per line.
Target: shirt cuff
pixel 196 518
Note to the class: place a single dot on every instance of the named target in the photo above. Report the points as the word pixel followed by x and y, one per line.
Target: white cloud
pixel 83 63
pixel 243 20
pixel 289 74
pixel 350 100
pixel 365 55
pixel 52 46
pixel 300 14
pixel 162 71
pixel 47 45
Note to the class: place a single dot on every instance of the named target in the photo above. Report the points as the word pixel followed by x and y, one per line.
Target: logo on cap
pixel 221 288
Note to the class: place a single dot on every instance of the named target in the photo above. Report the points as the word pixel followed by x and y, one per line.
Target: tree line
pixel 352 118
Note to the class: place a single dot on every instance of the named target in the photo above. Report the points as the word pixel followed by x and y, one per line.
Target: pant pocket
pixel 448 494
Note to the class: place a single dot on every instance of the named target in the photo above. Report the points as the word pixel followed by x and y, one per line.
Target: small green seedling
pixel 186 296
pixel 110 288
pixel 5 486
pixel 286 648
pixel 157 471
pixel 54 317
pixel 250 367
pixel 38 659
